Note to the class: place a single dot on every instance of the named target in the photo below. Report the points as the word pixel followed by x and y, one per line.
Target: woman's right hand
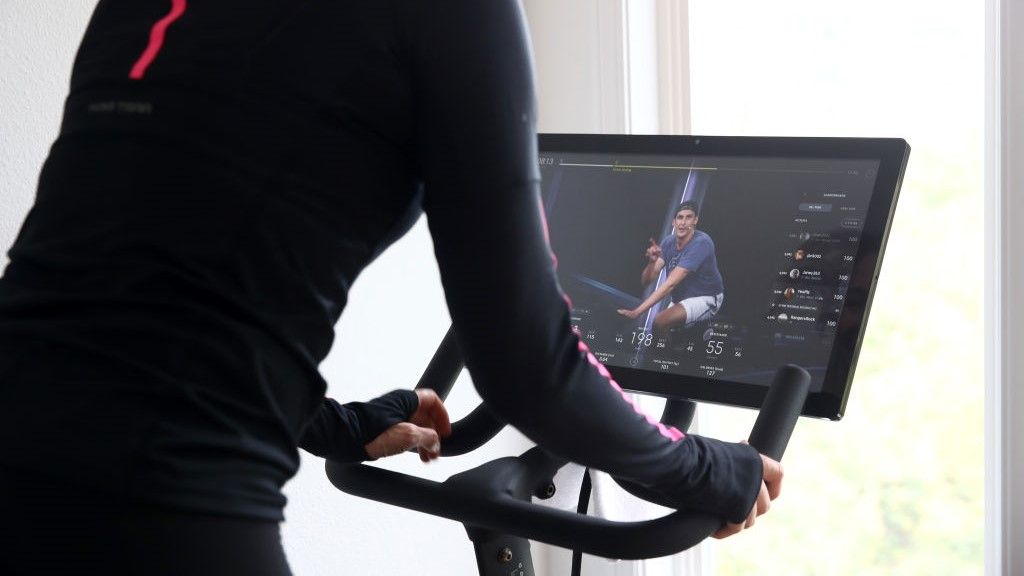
pixel 771 487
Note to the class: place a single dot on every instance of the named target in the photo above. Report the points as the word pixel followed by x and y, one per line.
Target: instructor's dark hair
pixel 688 205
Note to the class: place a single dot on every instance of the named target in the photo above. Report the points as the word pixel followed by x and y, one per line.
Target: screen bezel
pixel 891 154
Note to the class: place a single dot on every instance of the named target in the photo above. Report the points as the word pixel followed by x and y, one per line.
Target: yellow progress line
pixel 666 167
pixel 795 170
pixel 638 166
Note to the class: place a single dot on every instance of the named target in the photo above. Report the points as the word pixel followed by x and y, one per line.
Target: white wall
pixel 578 58
pixel 326 532
pixel 37 43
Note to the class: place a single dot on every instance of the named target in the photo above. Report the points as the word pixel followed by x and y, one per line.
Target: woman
pixel 223 173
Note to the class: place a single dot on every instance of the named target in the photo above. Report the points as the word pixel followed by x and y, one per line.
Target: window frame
pixel 1004 278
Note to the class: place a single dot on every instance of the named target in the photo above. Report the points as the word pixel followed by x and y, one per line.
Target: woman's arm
pixel 385 426
pixel 477 150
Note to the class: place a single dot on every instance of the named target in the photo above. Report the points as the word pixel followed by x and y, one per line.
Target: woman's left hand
pixel 422 431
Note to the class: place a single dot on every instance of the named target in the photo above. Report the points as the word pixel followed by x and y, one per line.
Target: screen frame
pixel 892 155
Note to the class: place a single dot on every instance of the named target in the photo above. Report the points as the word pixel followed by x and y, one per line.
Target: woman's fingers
pixel 761 505
pixel 432 413
pixel 405 436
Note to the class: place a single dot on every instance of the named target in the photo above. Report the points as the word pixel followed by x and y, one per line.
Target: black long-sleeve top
pixel 223 173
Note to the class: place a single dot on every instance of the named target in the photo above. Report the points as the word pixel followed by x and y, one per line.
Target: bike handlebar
pixel 496 495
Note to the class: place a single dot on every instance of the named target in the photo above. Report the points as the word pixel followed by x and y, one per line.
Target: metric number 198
pixel 642 338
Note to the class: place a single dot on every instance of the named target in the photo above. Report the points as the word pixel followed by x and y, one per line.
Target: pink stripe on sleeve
pixel 156 39
pixel 670 432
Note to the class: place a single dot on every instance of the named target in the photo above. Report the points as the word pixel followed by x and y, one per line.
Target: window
pixel 897 487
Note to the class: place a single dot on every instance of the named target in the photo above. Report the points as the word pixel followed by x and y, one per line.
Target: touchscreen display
pixel 717 267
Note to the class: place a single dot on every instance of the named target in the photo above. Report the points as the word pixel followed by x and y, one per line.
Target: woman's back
pixel 193 240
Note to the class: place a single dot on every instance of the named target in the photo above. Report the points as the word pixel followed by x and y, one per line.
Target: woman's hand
pixel 422 431
pixel 771 486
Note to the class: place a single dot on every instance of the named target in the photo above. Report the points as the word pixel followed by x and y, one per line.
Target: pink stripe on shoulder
pixel 156 39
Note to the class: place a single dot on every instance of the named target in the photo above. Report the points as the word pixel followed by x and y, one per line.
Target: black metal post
pixel 500 554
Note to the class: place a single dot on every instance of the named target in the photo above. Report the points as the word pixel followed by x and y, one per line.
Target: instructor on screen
pixel 692 276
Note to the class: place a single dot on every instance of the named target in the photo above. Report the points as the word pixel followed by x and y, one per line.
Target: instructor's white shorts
pixel 700 308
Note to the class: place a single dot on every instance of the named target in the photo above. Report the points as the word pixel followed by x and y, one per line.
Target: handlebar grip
pixel 471 432
pixel 780 410
pixel 444 367
pixel 481 424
